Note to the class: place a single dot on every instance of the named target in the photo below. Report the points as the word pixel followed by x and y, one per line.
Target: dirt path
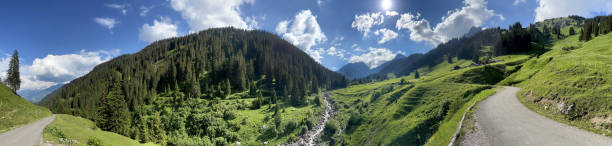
pixel 506 121
pixel 309 139
pixel 28 135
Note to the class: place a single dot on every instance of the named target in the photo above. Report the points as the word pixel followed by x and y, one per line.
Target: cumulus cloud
pixel 375 57
pixel 160 29
pixel 364 22
pixel 203 14
pixel 108 23
pixel 385 35
pixel 121 8
pixel 474 13
pixel 53 69
pixel 560 8
pixel 304 32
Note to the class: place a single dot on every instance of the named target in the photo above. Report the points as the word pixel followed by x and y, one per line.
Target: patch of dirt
pixel 602 122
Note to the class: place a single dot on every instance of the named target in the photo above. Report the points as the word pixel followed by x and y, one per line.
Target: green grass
pixel 82 130
pixel 581 77
pixel 424 111
pixel 251 132
pixel 16 111
pixel 448 128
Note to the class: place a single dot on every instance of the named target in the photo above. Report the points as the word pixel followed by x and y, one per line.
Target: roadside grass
pixel 449 127
pixel 579 75
pixel 16 111
pixel 82 130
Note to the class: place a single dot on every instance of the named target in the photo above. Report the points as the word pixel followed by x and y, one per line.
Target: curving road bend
pixel 28 135
pixel 506 121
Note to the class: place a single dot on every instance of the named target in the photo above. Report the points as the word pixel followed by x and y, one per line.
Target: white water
pixel 310 137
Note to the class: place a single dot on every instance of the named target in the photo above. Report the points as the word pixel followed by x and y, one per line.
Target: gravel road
pixel 506 121
pixel 28 135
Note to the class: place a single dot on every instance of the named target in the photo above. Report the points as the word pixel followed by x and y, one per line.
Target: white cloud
pixel 386 35
pixel 458 22
pixel 560 8
pixel 119 7
pixel 252 22
pixel 364 22
pixel 516 2
pixel 391 13
pixel 145 10
pixel 333 51
pixel 159 30
pixel 304 32
pixel 375 57
pixel 109 23
pixel 203 14
pixel 320 3
pixel 53 69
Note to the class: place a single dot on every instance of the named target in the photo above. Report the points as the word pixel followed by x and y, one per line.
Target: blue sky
pixel 62 40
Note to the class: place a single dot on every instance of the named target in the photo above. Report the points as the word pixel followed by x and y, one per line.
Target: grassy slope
pixel 410 113
pixel 81 130
pixel 16 111
pixel 580 77
pixel 251 132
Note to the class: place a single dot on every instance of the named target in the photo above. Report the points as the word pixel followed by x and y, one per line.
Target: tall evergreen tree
pixel 113 114
pixel 13 80
pixel 416 74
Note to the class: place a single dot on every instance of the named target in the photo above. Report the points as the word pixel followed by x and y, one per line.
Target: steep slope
pixel 35 95
pixel 571 83
pixel 216 87
pixel 16 111
pixel 209 64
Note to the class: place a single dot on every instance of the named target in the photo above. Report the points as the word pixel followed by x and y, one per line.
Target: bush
pixel 290 126
pixel 331 128
pixel 93 141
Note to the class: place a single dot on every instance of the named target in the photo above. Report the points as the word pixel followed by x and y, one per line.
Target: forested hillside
pixel 481 46
pixel 183 78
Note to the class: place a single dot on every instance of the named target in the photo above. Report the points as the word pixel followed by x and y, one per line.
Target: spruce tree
pixel 416 74
pixel 13 80
pixel 113 114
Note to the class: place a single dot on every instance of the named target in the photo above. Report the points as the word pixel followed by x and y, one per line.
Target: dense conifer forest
pixel 185 77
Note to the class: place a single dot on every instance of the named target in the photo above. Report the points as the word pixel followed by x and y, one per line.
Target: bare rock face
pixel 565 108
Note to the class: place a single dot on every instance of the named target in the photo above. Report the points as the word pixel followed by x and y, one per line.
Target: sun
pixel 386 4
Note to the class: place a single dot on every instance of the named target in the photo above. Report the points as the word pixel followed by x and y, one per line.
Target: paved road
pixel 505 121
pixel 28 135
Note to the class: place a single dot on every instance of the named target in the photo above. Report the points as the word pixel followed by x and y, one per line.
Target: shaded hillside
pixel 16 111
pixel 210 64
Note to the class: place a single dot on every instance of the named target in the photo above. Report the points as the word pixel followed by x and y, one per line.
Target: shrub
pixel 290 126
pixel 93 141
pixel 331 128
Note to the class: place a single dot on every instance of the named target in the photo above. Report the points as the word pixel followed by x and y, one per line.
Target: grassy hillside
pixel 83 131
pixel 16 111
pixel 409 111
pixel 572 85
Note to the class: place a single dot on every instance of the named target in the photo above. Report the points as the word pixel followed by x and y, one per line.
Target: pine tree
pixel 416 74
pixel 158 130
pixel 572 31
pixel 13 80
pixel 113 114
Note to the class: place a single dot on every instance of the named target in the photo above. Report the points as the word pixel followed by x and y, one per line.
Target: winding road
pixel 28 135
pixel 503 120
pixel 310 137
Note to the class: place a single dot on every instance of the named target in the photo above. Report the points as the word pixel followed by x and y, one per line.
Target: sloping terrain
pixel 16 111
